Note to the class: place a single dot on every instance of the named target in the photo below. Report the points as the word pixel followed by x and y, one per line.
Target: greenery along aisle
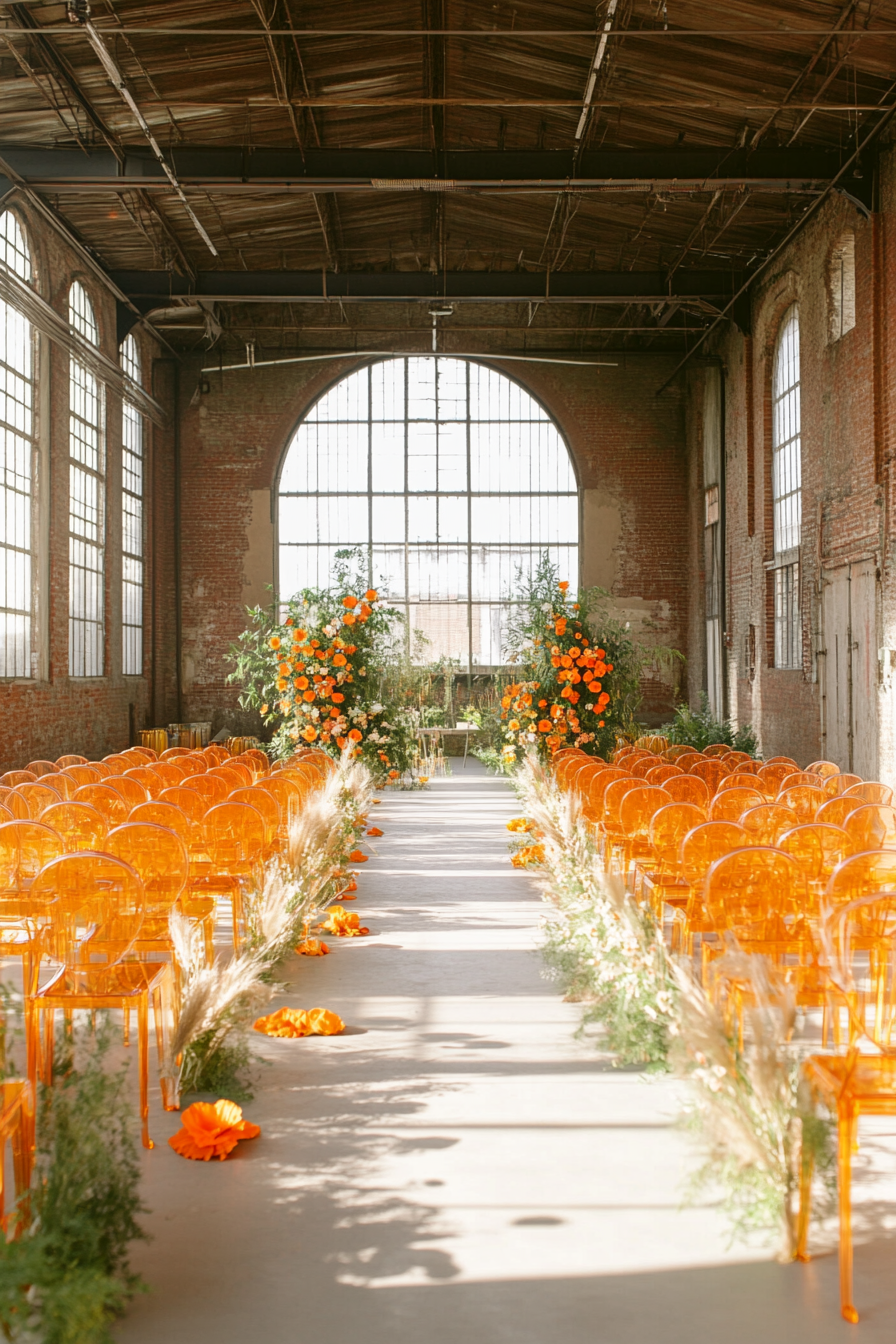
pixel 316 666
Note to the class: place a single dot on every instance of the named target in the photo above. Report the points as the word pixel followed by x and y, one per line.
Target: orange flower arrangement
pixel 293 1023
pixel 211 1130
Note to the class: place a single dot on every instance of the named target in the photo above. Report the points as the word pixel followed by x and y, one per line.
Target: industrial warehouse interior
pixel 447 671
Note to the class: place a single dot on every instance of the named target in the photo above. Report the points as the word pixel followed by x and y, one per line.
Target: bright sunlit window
pixel 451 478
pixel 131 519
pixel 86 501
pixel 16 472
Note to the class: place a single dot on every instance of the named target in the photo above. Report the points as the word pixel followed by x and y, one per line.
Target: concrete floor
pixel 457 1168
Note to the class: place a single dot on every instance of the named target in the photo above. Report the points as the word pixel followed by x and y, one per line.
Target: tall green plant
pixel 700 728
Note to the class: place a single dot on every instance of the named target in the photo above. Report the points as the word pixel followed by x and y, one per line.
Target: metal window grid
pixel 451 477
pixel 788 629
pixel 132 574
pixel 16 465
pixel 786 444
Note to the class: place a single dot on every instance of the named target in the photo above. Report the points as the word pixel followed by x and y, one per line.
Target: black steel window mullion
pixel 370 475
pixel 469 540
pixel 407 575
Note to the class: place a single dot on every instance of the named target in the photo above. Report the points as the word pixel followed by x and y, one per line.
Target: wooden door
pixel 849 668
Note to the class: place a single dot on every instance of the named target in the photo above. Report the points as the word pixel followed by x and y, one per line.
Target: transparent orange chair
pixel 700 848
pixel 872 826
pixel 234 843
pixel 797 777
pixel 81 774
pixel 717 749
pixel 37 797
pixel 171 753
pixel 156 812
pixel 13 801
pixel 870 791
pixel 774 774
pixel 804 799
pixel 6 814
pixel 612 836
pixel 677 750
pixel 145 777
pixel 288 795
pixel 86 901
pixel 661 879
pixel 857 1082
pixel 102 769
pixel 711 772
pixel 208 786
pixel 636 811
pixel 767 822
pixel 78 825
pixel 131 790
pixel 167 773
pixel 192 804
pixel 782 760
pixel 64 762
pixel 235 776
pixel 827 769
pixel 159 857
pixel 861 875
pixel 735 759
pixel 660 773
pixel 41 768
pixel 258 762
pixel 13 778
pixel 837 784
pixel 740 780
pixel 25 847
pixel 105 800
pixel 836 810
pixel 192 765
pixel 16 1129
pixel 731 804
pixel 818 848
pixel 758 896
pixel 688 789
pixel 118 762
pixel 264 802
pixel 641 767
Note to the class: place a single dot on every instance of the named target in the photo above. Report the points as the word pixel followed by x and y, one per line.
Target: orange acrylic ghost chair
pixel 818 848
pixel 834 785
pixel 731 804
pixel 13 801
pixel 767 822
pixel 81 774
pixel 864 874
pixel 167 773
pixel 756 896
pixel 41 768
pixel 235 776
pixel 105 800
pixel 783 760
pixel 17 1129
pixel 661 879
pixel 827 769
pixel 25 847
pixel 13 778
pixel 131 790
pixel 192 804
pixel 593 802
pixel 156 812
pixel 207 786
pixel 711 772
pixel 159 856
pixel 265 803
pixel 6 814
pixel 579 780
pixel 861 1081
pixel 171 753
pixel 804 799
pixel 611 834
pixel 191 831
pixel 118 762
pixel 660 773
pixel 288 795
pixel 193 764
pixel 102 769
pixel 740 780
pixel 700 848
pixel 142 755
pixel 870 791
pixel 642 767
pixel 835 811
pixel 234 842
pixel 774 774
pixel 735 759
pixel 79 826
pixel 257 761
pixel 797 777
pixel 95 900
pixel 37 797
pixel 144 776
pixel 636 811
pixel 65 761
pixel 871 826
pixel 677 750
pixel 688 789
pixel 716 749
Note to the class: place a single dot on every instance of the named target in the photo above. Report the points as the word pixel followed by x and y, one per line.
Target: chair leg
pixel 848 1128
pixel 163 1012
pixel 807 1169
pixel 143 1063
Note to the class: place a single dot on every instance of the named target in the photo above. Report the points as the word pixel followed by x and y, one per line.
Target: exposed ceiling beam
pixel 667 31
pixel 152 289
pixel 238 170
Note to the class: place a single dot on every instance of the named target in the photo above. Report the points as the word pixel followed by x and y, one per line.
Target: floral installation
pixel 293 1023
pixel 211 1130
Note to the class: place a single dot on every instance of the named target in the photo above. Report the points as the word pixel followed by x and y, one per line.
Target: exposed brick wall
pixel 628 446
pixel 55 713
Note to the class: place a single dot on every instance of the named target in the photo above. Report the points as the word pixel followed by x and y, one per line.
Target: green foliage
pixel 68 1274
pixel 698 728
pixel 223 1067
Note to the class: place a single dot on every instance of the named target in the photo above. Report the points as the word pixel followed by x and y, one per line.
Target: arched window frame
pixel 786 488
pixel 18 647
pixel 132 539
pixel 472 619
pixel 87 504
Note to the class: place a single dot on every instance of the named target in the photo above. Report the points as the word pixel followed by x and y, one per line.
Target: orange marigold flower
pixel 301 683
pixel 514 725
pixel 300 635
pixel 544 725
pixel 542 704
pixel 357 856
pixel 264 709
pixel 313 947
pixel 348 619
pixel 563 586
pixel 354 735
pixel 283 669
pixel 274 641
pixel 350 602
pixel 340 660
pixel 365 611
pixel 337 697
pixel 281 684
pixel 340 742
pixel 371 595
pixel 601 724
pixel 309 734
pixel 211 1130
pixel 308 695
pixel 393 774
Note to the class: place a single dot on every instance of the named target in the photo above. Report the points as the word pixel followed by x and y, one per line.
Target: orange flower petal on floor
pixel 356 856
pixel 324 1022
pixel 289 1022
pixel 374 830
pixel 313 947
pixel 211 1130
pixel 343 923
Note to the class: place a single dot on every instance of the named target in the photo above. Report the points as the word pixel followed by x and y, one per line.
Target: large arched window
pixel 787 490
pixel 450 476
pixel 86 523
pixel 16 464
pixel 131 519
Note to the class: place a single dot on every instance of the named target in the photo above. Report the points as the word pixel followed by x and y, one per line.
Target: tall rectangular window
pixel 86 503
pixel 131 521
pixel 16 469
pixel 787 486
pixel 788 643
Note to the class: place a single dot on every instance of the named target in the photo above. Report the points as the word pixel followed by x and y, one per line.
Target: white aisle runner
pixel 458 1169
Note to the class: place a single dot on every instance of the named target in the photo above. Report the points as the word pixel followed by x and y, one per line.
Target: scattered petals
pixel 357 856
pixel 312 947
pixel 374 830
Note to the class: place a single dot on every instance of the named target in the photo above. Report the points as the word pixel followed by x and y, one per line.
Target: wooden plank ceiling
pixel 307 78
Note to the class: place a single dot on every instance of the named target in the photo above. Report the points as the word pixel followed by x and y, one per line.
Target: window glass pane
pixel 16 471
pixel 131 520
pixel 413 425
pixel 86 501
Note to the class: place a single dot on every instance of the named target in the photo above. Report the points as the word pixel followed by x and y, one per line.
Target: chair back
pixel 158 813
pixel 264 802
pixel 870 791
pixel 563 767
pixel 860 938
pixel 719 749
pixel 41 768
pixel 170 753
pixel 801 777
pixel 81 774
pixel 827 769
pixel 676 751
pixel 118 762
pixel 158 855
pixel 194 764
pixel 756 894
pixel 37 797
pixel 597 787
pixel 191 803
pixel 613 796
pixel 102 769
pixel 871 826
pixel 731 804
pixel 63 762
pixel 736 759
pixel 660 773
pixel 256 760
pixel 805 799
pixel 144 776
pixel 13 801
pixel 818 847
pixel 861 875
pixel 642 766
pixel 711 772
pixel 767 822
pixel 167 773
pixel 668 827
pixel 78 825
pixel 836 784
pixel 13 778
pixel 235 776
pixel 637 809
pixel 287 793
pixel 234 836
pixel 740 780
pixel 774 774
pixel 130 790
pixel 783 760
pixel 706 843
pixel 688 789
pixel 105 800
pixel 210 787
pixel 836 810
pixel 25 847
pixel 87 896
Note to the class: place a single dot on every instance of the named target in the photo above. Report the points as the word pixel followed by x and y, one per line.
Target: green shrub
pixel 698 728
